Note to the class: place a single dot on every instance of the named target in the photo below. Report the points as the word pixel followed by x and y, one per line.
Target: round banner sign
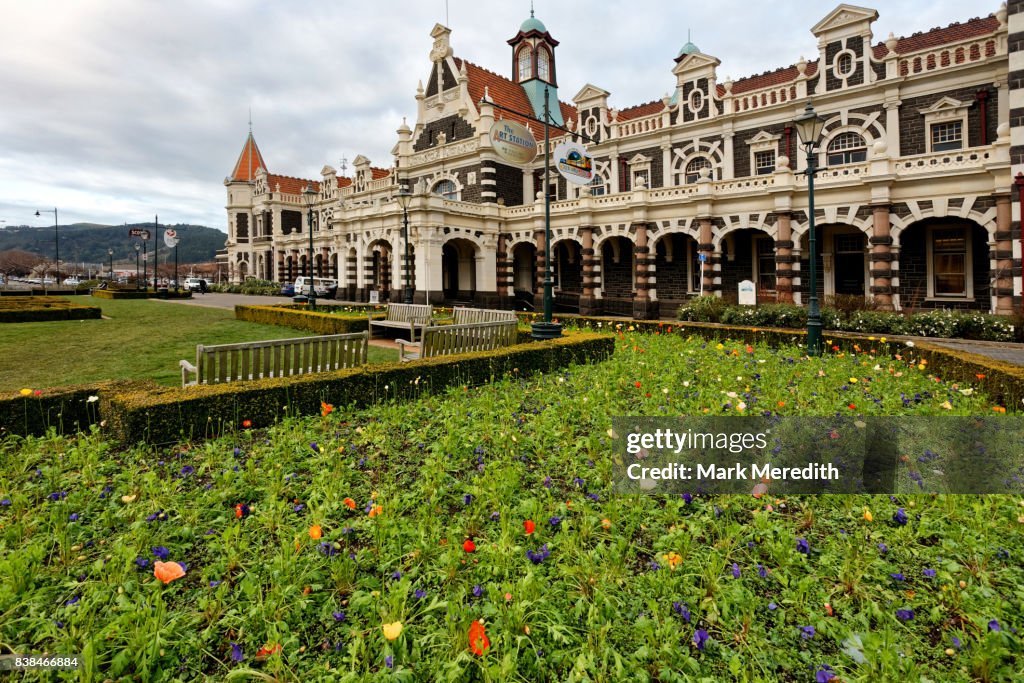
pixel 513 142
pixel 574 163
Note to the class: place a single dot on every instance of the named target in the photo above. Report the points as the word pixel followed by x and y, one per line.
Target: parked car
pixel 322 286
pixel 288 289
pixel 194 284
pixel 72 282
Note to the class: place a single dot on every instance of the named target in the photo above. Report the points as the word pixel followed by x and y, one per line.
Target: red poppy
pixel 852 406
pixel 478 641
pixel 469 546
pixel 241 510
pixel 246 424
pixel 349 503
pixel 637 384
pixel 269 649
pixel 750 349
pixel 529 526
pixel 325 409
pixel 835 348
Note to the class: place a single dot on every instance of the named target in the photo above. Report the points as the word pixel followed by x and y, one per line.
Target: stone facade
pixel 916 205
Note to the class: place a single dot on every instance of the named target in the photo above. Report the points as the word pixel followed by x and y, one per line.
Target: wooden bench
pixel 468 316
pixel 404 316
pixel 446 340
pixel 274 358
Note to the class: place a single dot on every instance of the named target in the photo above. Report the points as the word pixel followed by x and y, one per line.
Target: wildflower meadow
pixel 474 536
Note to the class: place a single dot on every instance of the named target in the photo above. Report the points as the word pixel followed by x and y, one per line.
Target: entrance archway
pixel 458 270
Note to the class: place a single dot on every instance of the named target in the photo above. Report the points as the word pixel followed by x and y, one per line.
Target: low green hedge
pixel 164 415
pixel 934 323
pixel 32 309
pixel 137 294
pixel 299 317
pixel 63 409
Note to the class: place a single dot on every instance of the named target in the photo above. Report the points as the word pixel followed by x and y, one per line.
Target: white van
pixel 321 285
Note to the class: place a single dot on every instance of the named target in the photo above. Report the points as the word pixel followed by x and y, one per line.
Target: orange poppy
pixel 469 546
pixel 375 510
pixel 246 424
pixel 269 649
pixel 478 641
pixel 325 408
pixel 637 384
pixel 167 571
pixel 529 526
pixel 349 503
pixel 315 532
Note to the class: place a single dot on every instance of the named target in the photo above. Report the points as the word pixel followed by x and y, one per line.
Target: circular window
pixel 844 64
pixel 591 128
pixel 696 101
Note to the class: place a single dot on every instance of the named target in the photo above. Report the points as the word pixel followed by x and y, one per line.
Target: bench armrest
pixel 186 370
pixel 401 348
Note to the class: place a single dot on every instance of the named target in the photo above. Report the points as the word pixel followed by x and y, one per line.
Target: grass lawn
pixel 138 339
pixel 474 536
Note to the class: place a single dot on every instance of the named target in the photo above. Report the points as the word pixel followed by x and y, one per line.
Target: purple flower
pixel 73 517
pixel 338 616
pixel 5 502
pixel 540 555
pixel 956 643
pixel 58 495
pixel 314 446
pixel 477 591
pixel 772 606
pixel 824 674
pixel 802 546
pixel 236 652
pixel 898 576
pixel 700 637
pixel 298 507
pixel 904 614
pixel 900 517
pixel 682 609
pixel 161 553
pixel 735 571
pixel 687 498
pixel 467 499
pixel 762 572
pixel 389 662
pixel 141 562
pixel 495 516
pixel 73 599
pixel 187 470
pixel 555 521
pixel 238 451
pixel 396 576
pixel 420 593
pixel 547 482
pixel 326 548
pixel 807 632
pixel 184 566
pixel 883 548
pixel 929 573
pixel 994 626
pixel 214 584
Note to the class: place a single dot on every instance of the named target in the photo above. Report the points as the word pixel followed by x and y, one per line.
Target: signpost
pixel 703 260
pixel 574 163
pixel 171 240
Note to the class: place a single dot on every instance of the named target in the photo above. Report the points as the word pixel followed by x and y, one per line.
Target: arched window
pixel 598 186
pixel 847 148
pixel 693 168
pixel 543 65
pixel 525 65
pixel 446 189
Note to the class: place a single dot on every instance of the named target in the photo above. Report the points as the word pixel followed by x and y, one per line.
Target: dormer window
pixel 525 66
pixel 847 148
pixel 543 65
pixel 446 189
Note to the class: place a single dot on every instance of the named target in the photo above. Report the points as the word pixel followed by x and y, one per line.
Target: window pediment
pixel 946 108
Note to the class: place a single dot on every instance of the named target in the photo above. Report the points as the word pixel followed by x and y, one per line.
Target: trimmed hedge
pixel 32 309
pixel 164 415
pixel 136 294
pixel 65 409
pixel 298 317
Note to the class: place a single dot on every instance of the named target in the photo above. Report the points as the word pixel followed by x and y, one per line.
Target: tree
pixel 17 262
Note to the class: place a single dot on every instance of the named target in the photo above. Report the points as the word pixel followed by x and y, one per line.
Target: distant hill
pixel 89 242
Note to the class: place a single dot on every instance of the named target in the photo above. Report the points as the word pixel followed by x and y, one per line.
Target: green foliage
pixel 88 242
pixel 321 321
pixel 704 309
pixel 33 309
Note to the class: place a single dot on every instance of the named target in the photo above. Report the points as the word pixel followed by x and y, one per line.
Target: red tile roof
pixel 249 161
pixel 289 185
pixel 344 181
pixel 506 93
pixel 641 110
pixel 378 173
pixel 922 40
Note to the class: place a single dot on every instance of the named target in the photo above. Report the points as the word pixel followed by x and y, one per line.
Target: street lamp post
pixel 145 274
pixel 110 253
pixel 547 329
pixel 404 197
pixel 56 244
pixel 809 127
pixel 309 197
pixel 137 248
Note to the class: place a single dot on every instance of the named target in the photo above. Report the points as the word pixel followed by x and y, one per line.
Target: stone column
pixel 588 303
pixel 1002 302
pixel 538 296
pixel 784 259
pixel 642 308
pixel 881 258
pixel 707 248
pixel 281 274
pixel 352 275
pixel 503 271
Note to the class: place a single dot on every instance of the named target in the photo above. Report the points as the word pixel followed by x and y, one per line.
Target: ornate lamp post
pixel 404 197
pixel 56 244
pixel 145 274
pixel 547 329
pixel 809 127
pixel 137 249
pixel 309 197
pixel 110 253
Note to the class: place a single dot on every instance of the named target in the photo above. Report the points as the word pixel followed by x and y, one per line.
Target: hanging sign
pixel 138 232
pixel 171 237
pixel 574 163
pixel 513 142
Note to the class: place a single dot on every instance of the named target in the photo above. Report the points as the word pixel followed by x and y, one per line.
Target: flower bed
pixel 34 309
pixel 472 536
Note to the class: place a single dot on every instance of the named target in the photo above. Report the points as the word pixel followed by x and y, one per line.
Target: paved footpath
pixel 1006 352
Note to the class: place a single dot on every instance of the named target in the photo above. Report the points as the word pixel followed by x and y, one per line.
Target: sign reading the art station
pixel 513 142
pixel 574 163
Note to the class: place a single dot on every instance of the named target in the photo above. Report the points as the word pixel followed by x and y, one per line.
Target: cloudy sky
pixel 115 110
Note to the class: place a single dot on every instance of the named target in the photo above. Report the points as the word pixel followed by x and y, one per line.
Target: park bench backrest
pixel 407 313
pixel 466 316
pixel 443 340
pixel 279 357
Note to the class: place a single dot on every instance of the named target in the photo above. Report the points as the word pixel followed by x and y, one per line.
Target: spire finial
pixel 531 9
pixel 250 120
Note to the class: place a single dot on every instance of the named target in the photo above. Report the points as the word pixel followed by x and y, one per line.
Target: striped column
pixel 488 182
pixel 642 309
pixel 706 247
pixel 784 259
pixel 1015 46
pixel 503 268
pixel 881 260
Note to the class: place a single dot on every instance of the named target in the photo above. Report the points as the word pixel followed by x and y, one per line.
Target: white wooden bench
pixel 446 340
pixel 274 358
pixel 404 316
pixel 467 316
